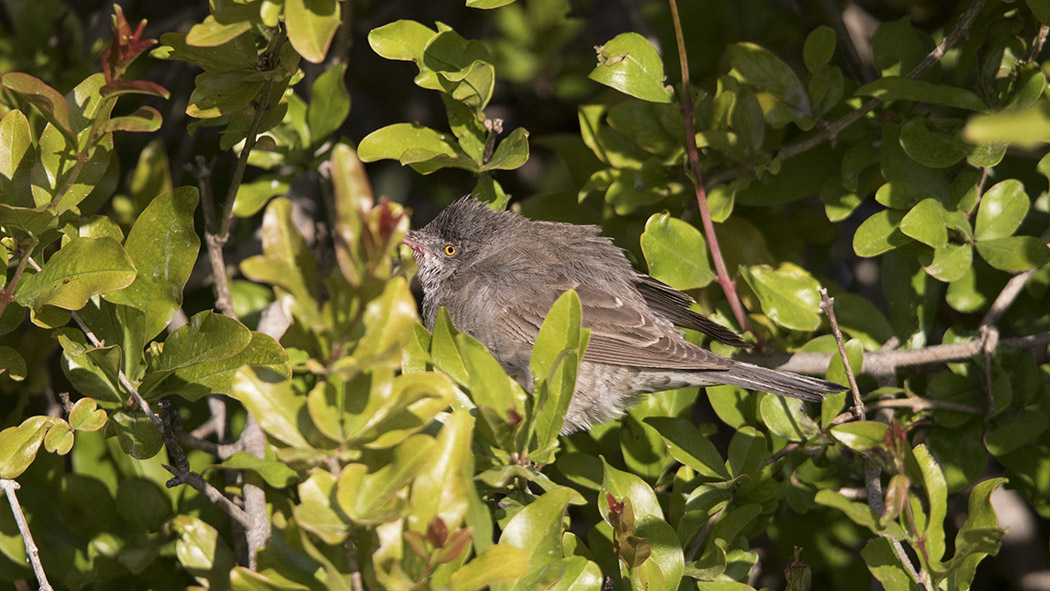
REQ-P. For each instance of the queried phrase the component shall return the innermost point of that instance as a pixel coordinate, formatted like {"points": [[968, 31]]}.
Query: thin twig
{"points": [[123, 379], [873, 487], [181, 473], [916, 404], [827, 304], [8, 294], [356, 582], [698, 541], [1037, 44], [721, 272], [9, 487], [1006, 297], [882, 362], [223, 297]]}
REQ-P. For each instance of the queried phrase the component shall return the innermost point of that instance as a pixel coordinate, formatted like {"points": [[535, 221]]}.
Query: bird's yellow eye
{"points": [[450, 250]]}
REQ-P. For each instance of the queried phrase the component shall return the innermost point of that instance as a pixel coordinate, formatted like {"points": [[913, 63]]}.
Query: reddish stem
{"points": [[728, 286]]}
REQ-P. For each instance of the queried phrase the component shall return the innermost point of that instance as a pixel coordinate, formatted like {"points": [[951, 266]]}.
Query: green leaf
{"points": [[926, 223], [490, 386], [1013, 429], [144, 120], [676, 252], [254, 195], [275, 473], [219, 93], [560, 331], [511, 153], [443, 488], [137, 434], [51, 104], [886, 566], [59, 438], [960, 453], [444, 350], [370, 496], [1003, 208], [931, 148], [18, 445], [163, 246], [471, 85], [979, 536], [16, 159], [898, 88], [688, 446], [818, 48], [538, 530], [1027, 128], [206, 337], [787, 418], [859, 513], [216, 377], [950, 262], [226, 22], [747, 449], [1014, 253], [580, 574], [82, 268], [329, 103], [762, 69], [315, 512], [1040, 10], [389, 320], [287, 263], [879, 233], [311, 26], [623, 485], [202, 552], [411, 143], [498, 563], [860, 436], [788, 294], [273, 403], [630, 64], [398, 412], [86, 416], [556, 353], [937, 496], [401, 40], [12, 364]]}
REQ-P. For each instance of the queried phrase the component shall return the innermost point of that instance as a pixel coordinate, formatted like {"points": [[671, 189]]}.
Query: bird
{"points": [[497, 273]]}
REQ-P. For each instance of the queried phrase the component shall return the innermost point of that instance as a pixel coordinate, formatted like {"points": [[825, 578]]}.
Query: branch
{"points": [[827, 304], [9, 487], [698, 185], [183, 475], [223, 297], [883, 362], [8, 294], [217, 232], [873, 487]]}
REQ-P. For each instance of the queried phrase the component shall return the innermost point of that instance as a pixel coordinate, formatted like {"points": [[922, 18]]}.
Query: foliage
{"points": [[912, 189]]}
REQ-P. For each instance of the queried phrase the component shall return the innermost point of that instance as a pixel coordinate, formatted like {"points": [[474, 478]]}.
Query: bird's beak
{"points": [[410, 240]]}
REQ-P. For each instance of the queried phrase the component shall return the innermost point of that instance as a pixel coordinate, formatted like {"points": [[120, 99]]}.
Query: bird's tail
{"points": [[792, 385]]}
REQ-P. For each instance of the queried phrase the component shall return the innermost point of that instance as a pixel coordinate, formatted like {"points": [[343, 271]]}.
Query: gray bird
{"points": [[498, 273]]}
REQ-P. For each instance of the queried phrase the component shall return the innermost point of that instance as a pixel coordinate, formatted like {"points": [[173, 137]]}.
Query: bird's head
{"points": [[465, 232]]}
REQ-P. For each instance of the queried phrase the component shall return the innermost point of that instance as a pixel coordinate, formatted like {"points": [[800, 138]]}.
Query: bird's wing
{"points": [[621, 333], [674, 306]]}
